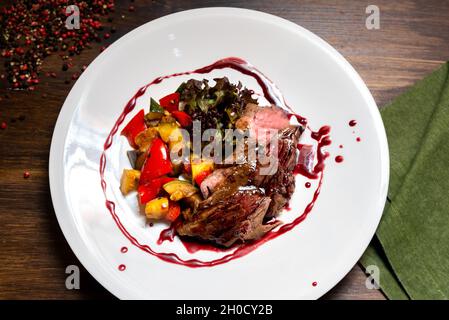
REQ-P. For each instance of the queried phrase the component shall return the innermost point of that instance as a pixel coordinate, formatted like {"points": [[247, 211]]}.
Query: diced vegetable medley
{"points": [[167, 187], [154, 176]]}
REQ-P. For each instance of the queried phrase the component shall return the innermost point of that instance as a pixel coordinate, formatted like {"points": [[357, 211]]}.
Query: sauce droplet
{"points": [[167, 234], [352, 123], [122, 267], [339, 159], [308, 184], [323, 131], [314, 283], [326, 141], [358, 139], [124, 250]]}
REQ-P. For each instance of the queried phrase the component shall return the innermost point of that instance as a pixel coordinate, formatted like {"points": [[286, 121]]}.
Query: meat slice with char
{"points": [[238, 175], [229, 216], [240, 201], [280, 185], [235, 209], [255, 118]]}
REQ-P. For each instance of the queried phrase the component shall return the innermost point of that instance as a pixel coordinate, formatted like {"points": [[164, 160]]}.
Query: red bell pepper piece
{"points": [[170, 102], [157, 163], [134, 127], [147, 192], [183, 118], [174, 210], [201, 176], [150, 190], [164, 180]]}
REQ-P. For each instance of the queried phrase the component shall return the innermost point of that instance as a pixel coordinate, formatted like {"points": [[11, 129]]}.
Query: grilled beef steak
{"points": [[241, 199], [280, 185], [233, 212]]}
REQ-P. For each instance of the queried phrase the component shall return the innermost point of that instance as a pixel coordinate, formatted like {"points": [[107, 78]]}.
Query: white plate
{"points": [[315, 80]]}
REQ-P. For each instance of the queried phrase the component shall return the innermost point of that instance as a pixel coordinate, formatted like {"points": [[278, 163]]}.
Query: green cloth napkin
{"points": [[411, 247]]}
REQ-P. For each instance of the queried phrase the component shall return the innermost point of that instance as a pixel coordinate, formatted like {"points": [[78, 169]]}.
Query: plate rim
{"points": [[60, 132]]}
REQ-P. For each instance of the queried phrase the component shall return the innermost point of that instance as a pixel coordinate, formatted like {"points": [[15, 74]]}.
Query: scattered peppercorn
{"points": [[26, 174], [4, 125], [32, 30]]}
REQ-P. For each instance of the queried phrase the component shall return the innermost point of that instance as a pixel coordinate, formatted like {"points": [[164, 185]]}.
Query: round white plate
{"points": [[316, 81]]}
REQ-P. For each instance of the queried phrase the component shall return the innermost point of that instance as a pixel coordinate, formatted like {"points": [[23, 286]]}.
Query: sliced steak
{"points": [[280, 185], [255, 117], [240, 199], [230, 215], [237, 175]]}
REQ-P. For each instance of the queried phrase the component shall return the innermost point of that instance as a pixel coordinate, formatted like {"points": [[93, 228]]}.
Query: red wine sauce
{"points": [[122, 267], [167, 234], [322, 136]]}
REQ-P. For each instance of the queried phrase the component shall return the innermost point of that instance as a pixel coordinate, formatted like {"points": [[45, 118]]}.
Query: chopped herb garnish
{"points": [[155, 107]]}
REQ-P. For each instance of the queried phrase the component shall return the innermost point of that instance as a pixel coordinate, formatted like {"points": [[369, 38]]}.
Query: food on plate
{"points": [[129, 181], [231, 200]]}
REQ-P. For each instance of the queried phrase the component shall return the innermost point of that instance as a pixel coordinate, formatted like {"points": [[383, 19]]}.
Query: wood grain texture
{"points": [[413, 40]]}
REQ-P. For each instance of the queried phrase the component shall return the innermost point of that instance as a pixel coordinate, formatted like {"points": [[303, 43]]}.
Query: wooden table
{"points": [[413, 40]]}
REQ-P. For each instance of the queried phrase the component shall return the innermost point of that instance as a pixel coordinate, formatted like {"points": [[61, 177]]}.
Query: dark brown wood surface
{"points": [[413, 40]]}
